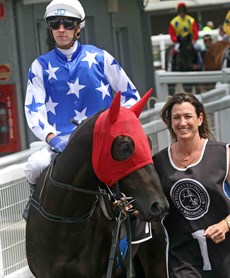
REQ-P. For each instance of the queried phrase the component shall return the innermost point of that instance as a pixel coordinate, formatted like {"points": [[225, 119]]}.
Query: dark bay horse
{"points": [[217, 56], [186, 59], [74, 207]]}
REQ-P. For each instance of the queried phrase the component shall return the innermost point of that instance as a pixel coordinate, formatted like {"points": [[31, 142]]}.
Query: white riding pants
{"points": [[38, 161]]}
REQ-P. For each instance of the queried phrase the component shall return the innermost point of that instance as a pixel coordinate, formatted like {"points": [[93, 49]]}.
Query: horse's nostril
{"points": [[156, 211]]}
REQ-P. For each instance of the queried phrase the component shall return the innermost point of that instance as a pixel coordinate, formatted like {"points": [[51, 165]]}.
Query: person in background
{"points": [[209, 26], [222, 36], [208, 41], [195, 175], [181, 26], [226, 26], [73, 81]]}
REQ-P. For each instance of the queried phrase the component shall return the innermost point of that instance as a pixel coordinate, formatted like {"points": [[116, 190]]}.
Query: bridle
{"points": [[121, 212]]}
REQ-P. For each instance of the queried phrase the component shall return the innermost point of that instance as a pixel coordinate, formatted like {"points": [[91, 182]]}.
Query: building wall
{"points": [[9, 57]]}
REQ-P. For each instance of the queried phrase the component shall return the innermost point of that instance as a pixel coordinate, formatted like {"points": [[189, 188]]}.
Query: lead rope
{"points": [[115, 237], [115, 233], [115, 247], [129, 252], [129, 268]]}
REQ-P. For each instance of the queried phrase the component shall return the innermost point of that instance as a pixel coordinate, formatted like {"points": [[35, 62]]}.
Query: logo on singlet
{"points": [[190, 198]]}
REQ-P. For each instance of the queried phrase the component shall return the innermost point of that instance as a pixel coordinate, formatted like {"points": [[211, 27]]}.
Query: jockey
{"points": [[73, 81], [181, 26]]}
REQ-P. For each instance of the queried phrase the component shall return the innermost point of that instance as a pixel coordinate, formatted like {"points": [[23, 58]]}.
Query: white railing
{"points": [[14, 191], [178, 80], [161, 42]]}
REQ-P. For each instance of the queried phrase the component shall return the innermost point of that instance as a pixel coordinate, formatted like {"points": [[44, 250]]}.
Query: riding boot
{"points": [[27, 208]]}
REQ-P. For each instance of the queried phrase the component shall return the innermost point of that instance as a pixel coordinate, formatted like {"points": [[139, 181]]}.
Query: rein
{"points": [[39, 207], [74, 188], [120, 214]]}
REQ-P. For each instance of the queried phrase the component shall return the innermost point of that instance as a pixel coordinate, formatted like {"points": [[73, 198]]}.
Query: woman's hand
{"points": [[217, 231]]}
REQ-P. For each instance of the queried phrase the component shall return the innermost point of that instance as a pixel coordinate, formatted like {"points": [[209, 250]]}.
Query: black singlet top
{"points": [[198, 197]]}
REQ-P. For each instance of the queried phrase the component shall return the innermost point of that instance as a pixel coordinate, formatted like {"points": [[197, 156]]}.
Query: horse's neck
{"points": [[73, 168], [188, 56], [74, 165]]}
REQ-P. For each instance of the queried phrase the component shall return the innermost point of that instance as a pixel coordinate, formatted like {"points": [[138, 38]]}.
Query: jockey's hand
{"points": [[57, 144]]}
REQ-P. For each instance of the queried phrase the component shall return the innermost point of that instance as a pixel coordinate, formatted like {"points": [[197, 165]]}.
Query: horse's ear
{"points": [[114, 108], [139, 106]]}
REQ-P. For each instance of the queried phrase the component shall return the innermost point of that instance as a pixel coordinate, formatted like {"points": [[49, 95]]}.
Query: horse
{"points": [[105, 173], [186, 59], [217, 56]]}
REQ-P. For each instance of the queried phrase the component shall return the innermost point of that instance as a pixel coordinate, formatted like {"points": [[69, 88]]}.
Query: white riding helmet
{"points": [[68, 8]]}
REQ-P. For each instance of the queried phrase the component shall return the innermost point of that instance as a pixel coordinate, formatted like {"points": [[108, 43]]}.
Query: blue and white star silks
{"points": [[60, 90]]}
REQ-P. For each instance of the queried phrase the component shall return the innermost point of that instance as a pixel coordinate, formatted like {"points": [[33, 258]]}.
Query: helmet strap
{"points": [[72, 42]]}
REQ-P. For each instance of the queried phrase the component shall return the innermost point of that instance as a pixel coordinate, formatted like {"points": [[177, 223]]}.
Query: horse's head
{"points": [[121, 153]]}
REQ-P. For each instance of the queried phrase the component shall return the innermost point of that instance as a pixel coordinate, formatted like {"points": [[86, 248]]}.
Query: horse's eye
{"points": [[125, 147], [122, 148]]}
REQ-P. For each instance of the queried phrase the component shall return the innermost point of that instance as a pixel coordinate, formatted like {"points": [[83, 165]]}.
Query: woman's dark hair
{"points": [[166, 113]]}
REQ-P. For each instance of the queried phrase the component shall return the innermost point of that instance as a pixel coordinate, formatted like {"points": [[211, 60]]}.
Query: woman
{"points": [[194, 171]]}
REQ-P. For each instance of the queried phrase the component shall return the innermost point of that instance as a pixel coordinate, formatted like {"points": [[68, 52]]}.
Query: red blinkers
{"points": [[116, 121]]}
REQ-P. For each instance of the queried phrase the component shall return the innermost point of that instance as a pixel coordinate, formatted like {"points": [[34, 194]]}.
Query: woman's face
{"points": [[185, 122]]}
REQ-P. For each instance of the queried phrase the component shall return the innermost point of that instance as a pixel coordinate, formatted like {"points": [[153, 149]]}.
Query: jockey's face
{"points": [[182, 12], [64, 30]]}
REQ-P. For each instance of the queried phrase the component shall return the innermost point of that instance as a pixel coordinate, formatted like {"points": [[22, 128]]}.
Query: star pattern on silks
{"points": [[80, 116], [104, 90], [90, 58], [51, 71], [74, 88], [41, 124], [51, 105], [31, 75], [126, 93], [125, 96], [115, 63], [34, 106]]}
